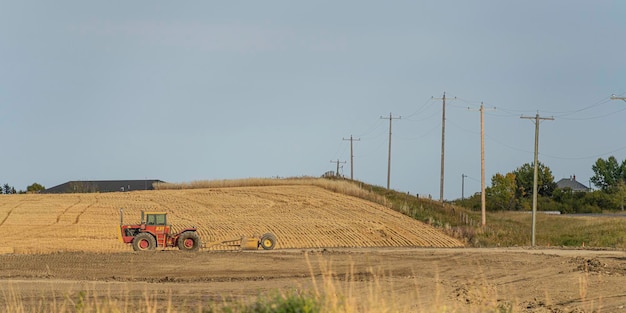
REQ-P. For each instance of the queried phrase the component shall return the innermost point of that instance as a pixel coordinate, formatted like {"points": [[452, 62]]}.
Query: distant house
{"points": [[572, 184], [85, 186]]}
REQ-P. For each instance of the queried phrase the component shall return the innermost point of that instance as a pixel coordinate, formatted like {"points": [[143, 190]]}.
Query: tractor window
{"points": [[156, 219], [160, 219]]}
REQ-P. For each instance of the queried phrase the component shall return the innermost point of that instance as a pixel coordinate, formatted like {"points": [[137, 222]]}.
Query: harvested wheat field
{"points": [[300, 217], [60, 253]]}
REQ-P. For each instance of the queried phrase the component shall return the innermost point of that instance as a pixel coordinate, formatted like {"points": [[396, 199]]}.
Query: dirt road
{"points": [[370, 279]]}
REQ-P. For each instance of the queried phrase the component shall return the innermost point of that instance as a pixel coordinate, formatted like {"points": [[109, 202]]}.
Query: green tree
{"points": [[620, 194], [7, 190], [35, 187], [568, 201], [501, 194], [599, 200], [608, 173], [524, 177]]}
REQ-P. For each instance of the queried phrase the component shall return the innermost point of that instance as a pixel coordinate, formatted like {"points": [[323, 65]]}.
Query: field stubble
{"points": [[301, 216]]}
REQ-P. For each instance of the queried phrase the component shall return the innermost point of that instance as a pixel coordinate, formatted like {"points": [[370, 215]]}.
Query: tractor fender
{"points": [[193, 229], [146, 232]]}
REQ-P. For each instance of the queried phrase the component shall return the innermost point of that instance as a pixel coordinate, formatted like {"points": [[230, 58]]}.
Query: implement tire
{"points": [[268, 241], [144, 242], [189, 241]]}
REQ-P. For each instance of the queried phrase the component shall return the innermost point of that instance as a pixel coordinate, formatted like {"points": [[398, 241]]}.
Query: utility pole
{"points": [[389, 154], [613, 97], [443, 145], [463, 186], [483, 202], [337, 172], [352, 156], [537, 119]]}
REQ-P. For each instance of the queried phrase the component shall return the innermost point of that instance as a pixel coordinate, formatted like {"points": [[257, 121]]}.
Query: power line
{"points": [[472, 178], [425, 118], [371, 130], [339, 151], [594, 117], [412, 138], [559, 114], [585, 157], [502, 143], [498, 141], [419, 110]]}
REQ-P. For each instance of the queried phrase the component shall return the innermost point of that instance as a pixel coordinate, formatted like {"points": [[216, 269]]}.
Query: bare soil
{"points": [[372, 279]]}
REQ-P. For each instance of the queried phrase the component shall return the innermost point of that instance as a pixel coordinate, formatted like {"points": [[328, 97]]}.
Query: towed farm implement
{"points": [[153, 232]]}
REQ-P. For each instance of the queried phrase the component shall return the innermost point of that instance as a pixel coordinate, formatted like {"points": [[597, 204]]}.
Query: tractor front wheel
{"points": [[189, 241], [268, 241], [144, 242]]}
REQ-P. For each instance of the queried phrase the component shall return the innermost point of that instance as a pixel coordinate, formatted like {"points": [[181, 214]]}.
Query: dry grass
{"points": [[331, 291], [514, 228], [340, 186]]}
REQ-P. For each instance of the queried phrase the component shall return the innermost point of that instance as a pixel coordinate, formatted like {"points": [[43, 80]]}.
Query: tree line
{"points": [[9, 190], [513, 191]]}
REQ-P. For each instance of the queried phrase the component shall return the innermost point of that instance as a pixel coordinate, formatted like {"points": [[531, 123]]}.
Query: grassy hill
{"points": [[509, 228], [502, 229]]}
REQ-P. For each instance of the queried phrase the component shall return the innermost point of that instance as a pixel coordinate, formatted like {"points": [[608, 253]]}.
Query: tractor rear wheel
{"points": [[189, 241], [144, 242], [268, 241]]}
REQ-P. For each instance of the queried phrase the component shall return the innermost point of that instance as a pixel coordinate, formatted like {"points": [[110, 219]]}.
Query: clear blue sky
{"points": [[203, 90]]}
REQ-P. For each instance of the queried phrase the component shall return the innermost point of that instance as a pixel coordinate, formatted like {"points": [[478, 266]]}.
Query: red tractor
{"points": [[154, 232]]}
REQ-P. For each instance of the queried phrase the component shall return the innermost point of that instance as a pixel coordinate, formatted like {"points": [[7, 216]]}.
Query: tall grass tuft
{"points": [[291, 301]]}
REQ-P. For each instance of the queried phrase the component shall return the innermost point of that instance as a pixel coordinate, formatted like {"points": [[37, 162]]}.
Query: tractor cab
{"points": [[154, 218], [155, 222]]}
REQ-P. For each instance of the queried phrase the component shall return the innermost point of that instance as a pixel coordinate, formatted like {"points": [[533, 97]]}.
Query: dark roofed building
{"points": [[572, 184], [84, 186]]}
